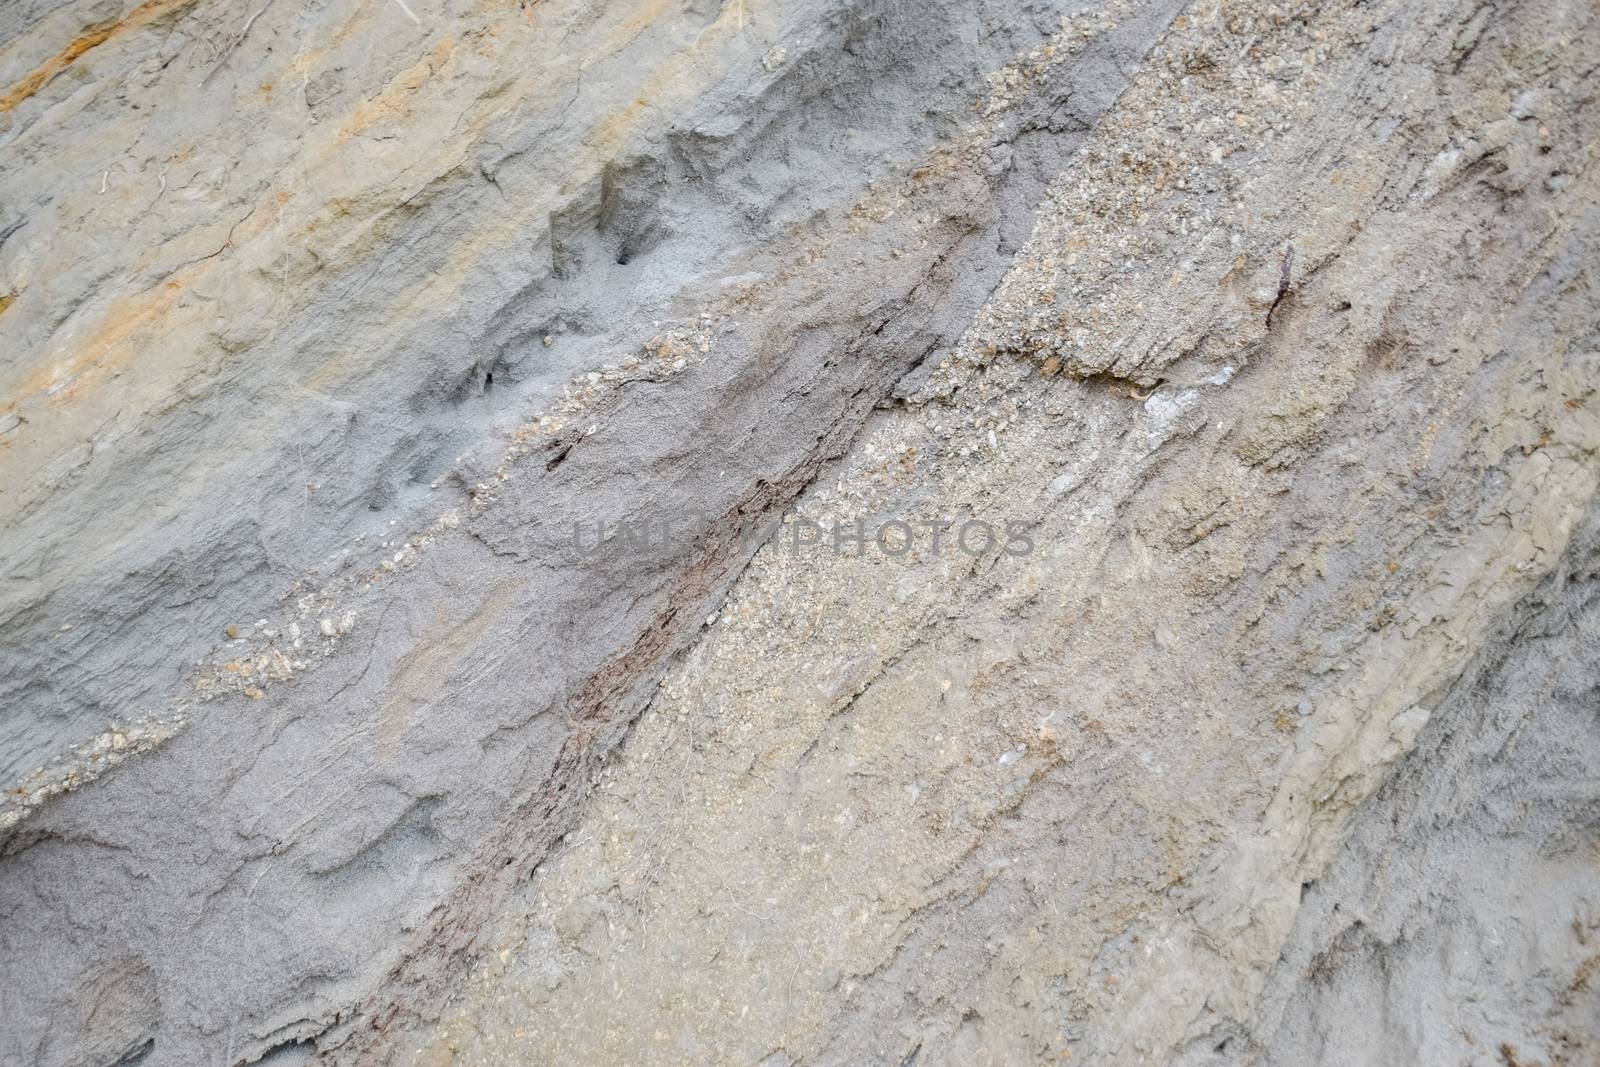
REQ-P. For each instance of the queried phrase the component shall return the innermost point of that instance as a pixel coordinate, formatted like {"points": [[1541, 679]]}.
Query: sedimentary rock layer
{"points": [[494, 510]]}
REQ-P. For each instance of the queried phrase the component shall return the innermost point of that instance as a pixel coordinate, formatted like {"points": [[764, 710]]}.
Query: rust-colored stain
{"points": [[6, 300], [391, 101], [610, 131], [116, 336], [124, 317], [91, 38], [666, 81], [307, 62], [634, 24]]}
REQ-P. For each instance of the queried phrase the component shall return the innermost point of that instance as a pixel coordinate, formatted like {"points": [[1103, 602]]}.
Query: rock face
{"points": [[852, 531]]}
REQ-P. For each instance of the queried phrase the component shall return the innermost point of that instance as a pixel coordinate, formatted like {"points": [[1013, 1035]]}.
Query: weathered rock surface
{"points": [[405, 655]]}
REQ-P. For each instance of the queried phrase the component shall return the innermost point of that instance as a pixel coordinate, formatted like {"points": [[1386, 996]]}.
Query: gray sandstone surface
{"points": [[432, 438]]}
